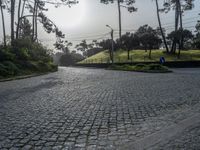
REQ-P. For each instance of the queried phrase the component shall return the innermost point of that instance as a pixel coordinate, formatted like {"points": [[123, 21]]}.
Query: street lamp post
{"points": [[112, 42]]}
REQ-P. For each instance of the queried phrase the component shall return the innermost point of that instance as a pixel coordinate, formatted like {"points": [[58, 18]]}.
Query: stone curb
{"points": [[23, 77]]}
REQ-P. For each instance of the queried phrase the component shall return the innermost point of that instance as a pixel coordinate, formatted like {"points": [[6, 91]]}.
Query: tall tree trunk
{"points": [[160, 26], [173, 49], [23, 7], [18, 22], [36, 25], [120, 21], [181, 26], [22, 14], [150, 54], [179, 50], [12, 21], [128, 54], [33, 20], [3, 24]]}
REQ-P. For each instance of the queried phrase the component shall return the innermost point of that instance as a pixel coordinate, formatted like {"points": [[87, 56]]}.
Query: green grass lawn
{"points": [[142, 56]]}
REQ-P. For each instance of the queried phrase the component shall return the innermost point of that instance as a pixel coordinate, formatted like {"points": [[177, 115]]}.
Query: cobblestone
{"points": [[188, 140], [91, 109]]}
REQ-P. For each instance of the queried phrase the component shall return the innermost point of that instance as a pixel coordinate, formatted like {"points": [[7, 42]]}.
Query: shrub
{"points": [[29, 65], [43, 67], [127, 67], [139, 66], [155, 67], [22, 53], [68, 59], [5, 54], [115, 67], [3, 71], [39, 52], [53, 67], [25, 49], [121, 67], [11, 68], [25, 57], [23, 43]]}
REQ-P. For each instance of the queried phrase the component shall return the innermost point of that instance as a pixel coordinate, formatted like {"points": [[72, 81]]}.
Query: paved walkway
{"points": [[78, 108]]}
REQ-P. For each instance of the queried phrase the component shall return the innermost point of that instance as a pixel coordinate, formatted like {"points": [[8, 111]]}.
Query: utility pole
{"points": [[112, 43]]}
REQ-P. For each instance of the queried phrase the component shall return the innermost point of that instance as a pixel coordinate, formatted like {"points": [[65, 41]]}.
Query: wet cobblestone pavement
{"points": [[188, 140], [78, 108]]}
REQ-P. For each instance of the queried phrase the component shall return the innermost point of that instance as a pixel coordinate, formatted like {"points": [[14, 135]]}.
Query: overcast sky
{"points": [[87, 19]]}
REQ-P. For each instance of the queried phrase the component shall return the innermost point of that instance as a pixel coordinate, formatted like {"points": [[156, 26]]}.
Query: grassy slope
{"points": [[141, 56]]}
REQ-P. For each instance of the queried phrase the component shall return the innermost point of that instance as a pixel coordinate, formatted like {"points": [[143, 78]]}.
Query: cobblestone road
{"points": [[78, 108], [188, 140]]}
